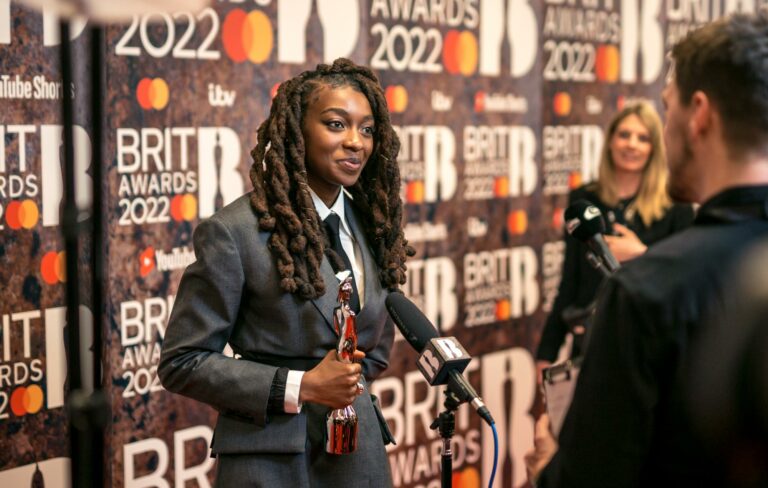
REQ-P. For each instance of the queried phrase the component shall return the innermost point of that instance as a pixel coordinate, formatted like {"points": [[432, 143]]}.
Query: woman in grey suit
{"points": [[326, 198]]}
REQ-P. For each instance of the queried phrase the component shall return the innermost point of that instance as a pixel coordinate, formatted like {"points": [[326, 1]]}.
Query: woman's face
{"points": [[338, 132], [631, 145]]}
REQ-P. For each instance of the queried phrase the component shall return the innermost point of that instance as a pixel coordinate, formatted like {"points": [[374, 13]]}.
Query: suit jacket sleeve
{"points": [[204, 313], [377, 359], [607, 432]]}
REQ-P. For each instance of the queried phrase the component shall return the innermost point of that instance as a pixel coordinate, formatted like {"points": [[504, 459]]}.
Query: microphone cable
{"points": [[495, 454]]}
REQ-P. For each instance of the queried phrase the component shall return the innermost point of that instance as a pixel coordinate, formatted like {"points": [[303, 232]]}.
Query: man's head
{"points": [[721, 69]]}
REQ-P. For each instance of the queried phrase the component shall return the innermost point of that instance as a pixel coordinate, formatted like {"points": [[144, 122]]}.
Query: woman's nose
{"points": [[353, 140]]}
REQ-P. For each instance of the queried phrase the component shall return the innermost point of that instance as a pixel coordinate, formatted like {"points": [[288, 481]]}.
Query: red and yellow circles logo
{"points": [[247, 36], [53, 267], [562, 104], [414, 192], [184, 207], [460, 52], [517, 222], [22, 214], [397, 98], [558, 218], [273, 90], [480, 101], [607, 63], [501, 187], [503, 309], [467, 478], [620, 102], [574, 180], [26, 399], [152, 93]]}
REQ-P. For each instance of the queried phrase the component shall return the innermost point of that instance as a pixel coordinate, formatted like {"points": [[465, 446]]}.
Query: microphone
{"points": [[585, 222], [442, 359]]}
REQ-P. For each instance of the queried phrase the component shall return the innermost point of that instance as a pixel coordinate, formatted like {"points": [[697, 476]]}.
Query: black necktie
{"points": [[332, 228]]}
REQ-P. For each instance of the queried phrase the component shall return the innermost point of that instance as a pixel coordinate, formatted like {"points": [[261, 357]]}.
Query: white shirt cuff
{"points": [[292, 386]]}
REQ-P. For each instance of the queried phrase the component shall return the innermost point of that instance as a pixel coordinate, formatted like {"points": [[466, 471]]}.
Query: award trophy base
{"points": [[341, 431]]}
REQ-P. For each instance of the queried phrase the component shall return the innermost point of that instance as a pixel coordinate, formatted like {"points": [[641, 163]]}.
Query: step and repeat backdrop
{"points": [[500, 107]]}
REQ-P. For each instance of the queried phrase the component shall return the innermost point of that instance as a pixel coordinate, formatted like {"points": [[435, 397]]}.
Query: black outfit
{"points": [[627, 425], [580, 281]]}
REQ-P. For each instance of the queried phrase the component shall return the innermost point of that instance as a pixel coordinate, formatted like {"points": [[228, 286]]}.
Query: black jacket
{"points": [[628, 422], [580, 281]]}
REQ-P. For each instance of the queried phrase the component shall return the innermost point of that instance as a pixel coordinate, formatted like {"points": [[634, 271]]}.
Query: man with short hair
{"points": [[628, 424]]}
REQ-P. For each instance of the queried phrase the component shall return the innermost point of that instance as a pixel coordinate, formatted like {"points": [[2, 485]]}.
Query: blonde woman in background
{"points": [[631, 193]]}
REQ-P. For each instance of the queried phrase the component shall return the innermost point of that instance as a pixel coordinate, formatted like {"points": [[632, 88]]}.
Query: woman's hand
{"points": [[625, 246], [332, 383]]}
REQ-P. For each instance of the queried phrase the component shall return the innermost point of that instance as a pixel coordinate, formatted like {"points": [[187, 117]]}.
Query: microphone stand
{"points": [[88, 412], [445, 424]]}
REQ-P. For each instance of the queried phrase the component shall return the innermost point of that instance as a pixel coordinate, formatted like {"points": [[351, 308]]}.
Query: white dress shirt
{"points": [[351, 247]]}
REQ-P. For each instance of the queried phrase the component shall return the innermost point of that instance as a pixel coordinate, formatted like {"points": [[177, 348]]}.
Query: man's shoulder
{"points": [[688, 260]]}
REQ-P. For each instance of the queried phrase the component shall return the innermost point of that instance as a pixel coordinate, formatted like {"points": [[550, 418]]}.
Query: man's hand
{"points": [[544, 447], [332, 383], [625, 246]]}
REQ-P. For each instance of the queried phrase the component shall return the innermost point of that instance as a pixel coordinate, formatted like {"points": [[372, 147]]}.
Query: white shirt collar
{"points": [[338, 208]]}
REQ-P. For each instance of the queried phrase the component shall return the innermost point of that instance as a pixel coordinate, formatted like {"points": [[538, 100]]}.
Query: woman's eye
{"points": [[623, 134], [368, 131], [335, 124], [644, 139]]}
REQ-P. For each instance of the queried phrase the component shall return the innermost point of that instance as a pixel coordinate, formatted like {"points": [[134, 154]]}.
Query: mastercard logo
{"points": [[574, 180], [517, 222], [22, 214], [26, 399], [273, 90], [480, 101], [607, 63], [468, 478], [562, 104], [247, 36], [503, 312], [460, 52], [152, 93], [146, 261], [53, 267], [501, 186], [397, 98], [414, 192], [557, 218], [183, 208]]}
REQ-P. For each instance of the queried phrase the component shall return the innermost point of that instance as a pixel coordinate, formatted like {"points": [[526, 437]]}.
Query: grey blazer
{"points": [[232, 294]]}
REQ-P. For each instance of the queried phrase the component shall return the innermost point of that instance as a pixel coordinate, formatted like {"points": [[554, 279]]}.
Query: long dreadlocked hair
{"points": [[281, 196]]}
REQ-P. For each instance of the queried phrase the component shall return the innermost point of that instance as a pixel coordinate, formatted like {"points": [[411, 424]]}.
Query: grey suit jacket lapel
{"points": [[370, 269], [326, 303]]}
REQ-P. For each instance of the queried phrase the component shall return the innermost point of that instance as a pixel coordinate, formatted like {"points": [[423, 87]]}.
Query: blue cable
{"points": [[495, 454]]}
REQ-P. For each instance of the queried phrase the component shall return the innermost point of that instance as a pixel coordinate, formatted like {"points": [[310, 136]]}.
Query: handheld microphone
{"points": [[442, 359], [585, 222]]}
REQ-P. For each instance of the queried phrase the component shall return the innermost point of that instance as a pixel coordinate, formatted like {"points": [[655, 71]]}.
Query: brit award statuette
{"points": [[341, 424]]}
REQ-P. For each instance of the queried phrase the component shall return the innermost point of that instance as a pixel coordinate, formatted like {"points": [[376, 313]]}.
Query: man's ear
{"points": [[700, 122]]}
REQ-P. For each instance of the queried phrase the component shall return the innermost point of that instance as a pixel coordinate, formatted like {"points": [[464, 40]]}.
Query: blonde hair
{"points": [[652, 198]]}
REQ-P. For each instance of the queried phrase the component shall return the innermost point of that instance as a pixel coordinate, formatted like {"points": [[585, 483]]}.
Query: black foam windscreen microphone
{"points": [[442, 359], [419, 329], [584, 221]]}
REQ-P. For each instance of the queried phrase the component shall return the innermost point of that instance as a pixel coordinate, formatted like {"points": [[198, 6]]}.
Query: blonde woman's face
{"points": [[631, 145]]}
